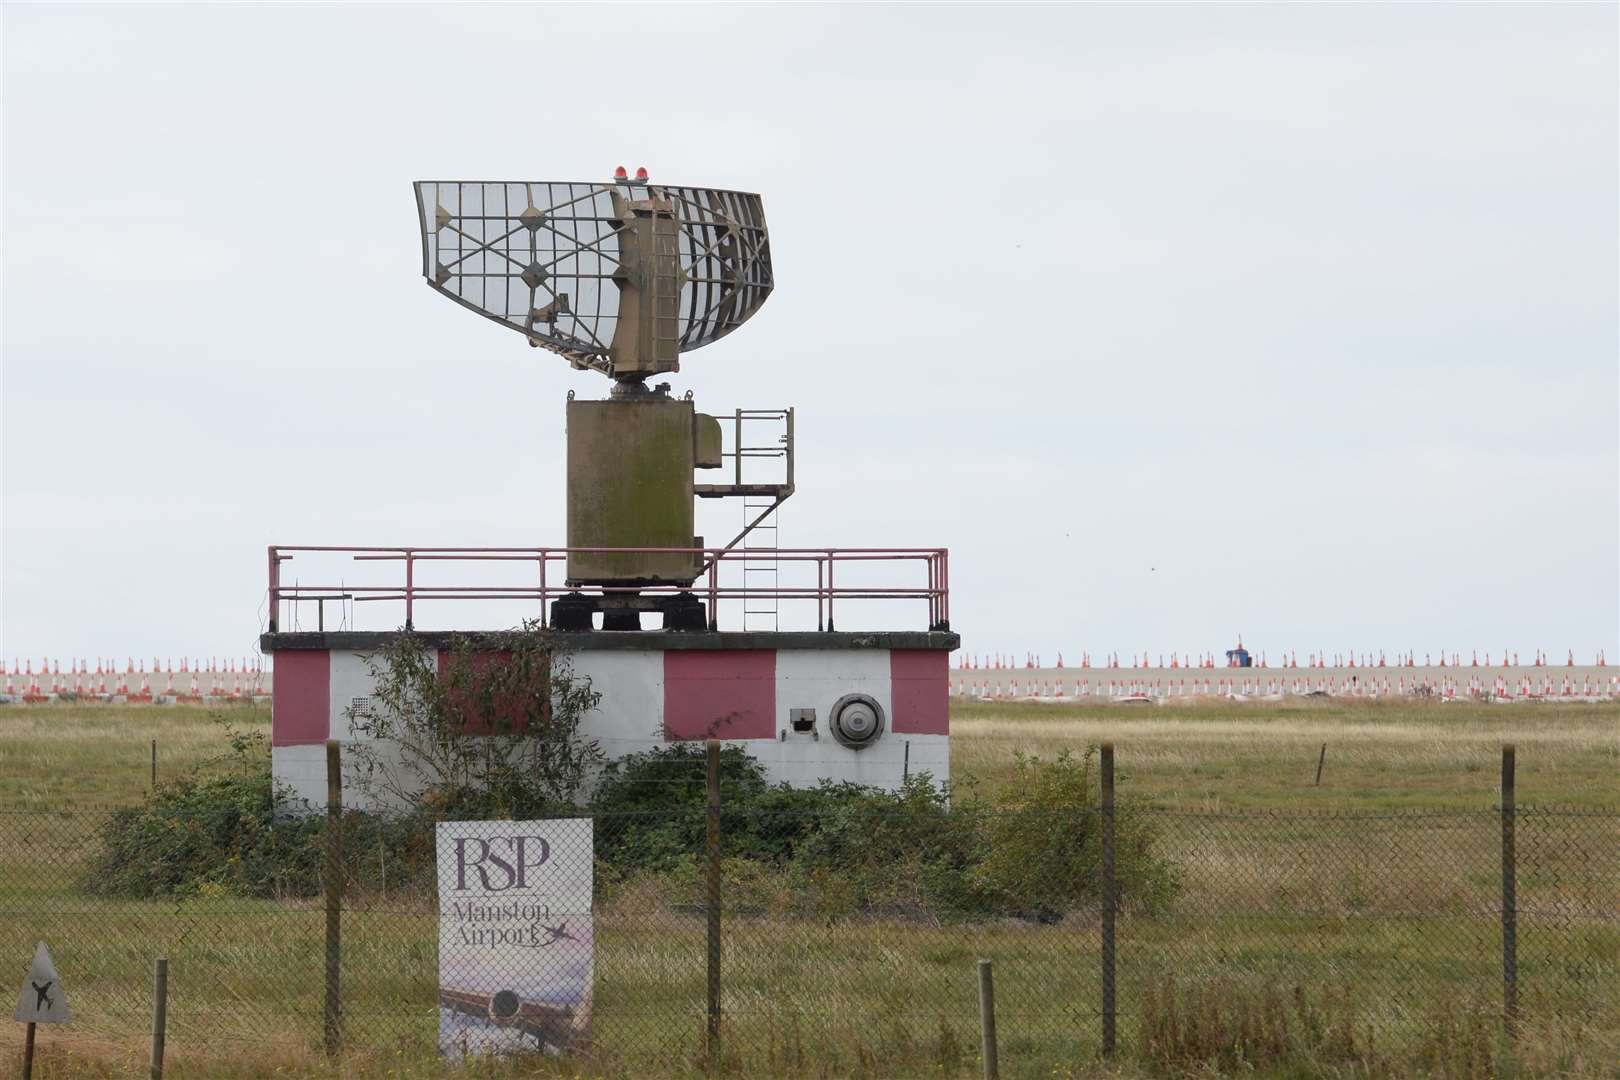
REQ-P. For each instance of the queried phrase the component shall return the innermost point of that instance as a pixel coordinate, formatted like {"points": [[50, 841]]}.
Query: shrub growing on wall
{"points": [[489, 728]]}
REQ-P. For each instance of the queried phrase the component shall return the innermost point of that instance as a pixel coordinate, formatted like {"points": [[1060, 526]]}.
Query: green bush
{"points": [[905, 850], [211, 835], [841, 848], [1042, 848], [836, 849]]}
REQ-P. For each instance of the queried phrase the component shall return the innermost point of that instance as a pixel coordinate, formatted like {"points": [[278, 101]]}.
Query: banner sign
{"points": [[515, 943]]}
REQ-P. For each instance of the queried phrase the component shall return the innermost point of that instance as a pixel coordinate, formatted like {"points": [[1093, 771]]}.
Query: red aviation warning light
{"points": [[620, 173]]}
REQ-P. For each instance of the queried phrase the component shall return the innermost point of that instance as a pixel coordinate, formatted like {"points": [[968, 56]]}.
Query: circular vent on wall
{"points": [[856, 720]]}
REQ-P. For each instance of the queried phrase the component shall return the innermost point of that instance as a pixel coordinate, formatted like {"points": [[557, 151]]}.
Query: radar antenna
{"points": [[619, 277]]}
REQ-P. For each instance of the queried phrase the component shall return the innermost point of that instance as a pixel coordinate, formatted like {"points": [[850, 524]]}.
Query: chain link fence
{"points": [[1234, 936]]}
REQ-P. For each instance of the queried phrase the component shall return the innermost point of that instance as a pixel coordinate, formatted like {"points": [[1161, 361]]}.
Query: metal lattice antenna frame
{"points": [[540, 258]]}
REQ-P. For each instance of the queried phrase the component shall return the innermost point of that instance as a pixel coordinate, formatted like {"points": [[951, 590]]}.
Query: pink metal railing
{"points": [[544, 587]]}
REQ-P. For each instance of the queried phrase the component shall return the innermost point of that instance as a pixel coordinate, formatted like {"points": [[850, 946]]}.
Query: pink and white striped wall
{"points": [[652, 697]]}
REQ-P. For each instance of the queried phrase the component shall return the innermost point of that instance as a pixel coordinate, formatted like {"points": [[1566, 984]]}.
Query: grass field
{"points": [[1381, 754], [1373, 893], [1212, 755]]}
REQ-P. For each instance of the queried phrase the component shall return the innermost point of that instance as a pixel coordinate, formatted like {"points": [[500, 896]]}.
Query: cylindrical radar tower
{"points": [[621, 278]]}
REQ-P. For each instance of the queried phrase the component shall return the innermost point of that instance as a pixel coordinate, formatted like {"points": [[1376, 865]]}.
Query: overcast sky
{"points": [[1170, 322]]}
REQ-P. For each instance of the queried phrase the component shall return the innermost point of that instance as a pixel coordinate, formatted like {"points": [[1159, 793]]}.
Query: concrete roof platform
{"points": [[628, 640]]}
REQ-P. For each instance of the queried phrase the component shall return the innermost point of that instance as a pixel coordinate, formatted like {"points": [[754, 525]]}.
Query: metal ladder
{"points": [[761, 570], [761, 566]]}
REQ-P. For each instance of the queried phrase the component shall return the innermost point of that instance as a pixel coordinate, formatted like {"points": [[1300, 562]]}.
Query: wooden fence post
{"points": [[712, 849], [1510, 913], [334, 895], [1108, 954], [987, 1020], [1320, 758], [160, 1013]]}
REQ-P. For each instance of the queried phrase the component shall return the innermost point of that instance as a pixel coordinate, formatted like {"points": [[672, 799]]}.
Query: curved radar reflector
{"points": [[564, 263]]}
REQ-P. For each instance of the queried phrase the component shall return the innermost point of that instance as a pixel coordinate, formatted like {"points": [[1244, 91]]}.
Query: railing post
{"points": [[1510, 913], [820, 616], [829, 591], [409, 585], [714, 593], [938, 564], [542, 589], [939, 584], [790, 448], [933, 593], [1108, 953], [333, 887], [712, 849], [275, 589]]}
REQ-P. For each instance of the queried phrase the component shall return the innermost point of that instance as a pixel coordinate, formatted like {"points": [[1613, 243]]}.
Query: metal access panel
{"points": [[630, 467]]}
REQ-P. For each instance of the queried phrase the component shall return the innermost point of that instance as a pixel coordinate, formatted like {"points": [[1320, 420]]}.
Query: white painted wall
{"points": [[816, 679], [303, 770], [630, 717]]}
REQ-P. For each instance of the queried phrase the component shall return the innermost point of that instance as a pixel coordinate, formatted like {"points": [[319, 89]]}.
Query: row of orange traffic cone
{"points": [[1354, 686], [241, 687], [216, 666]]}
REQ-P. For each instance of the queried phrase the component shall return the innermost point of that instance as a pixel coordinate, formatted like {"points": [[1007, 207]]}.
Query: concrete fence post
{"points": [[712, 851], [160, 1013], [1108, 898], [333, 887], [987, 1020], [1510, 912]]}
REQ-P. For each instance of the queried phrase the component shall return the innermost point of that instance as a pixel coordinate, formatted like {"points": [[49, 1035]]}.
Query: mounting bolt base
{"points": [[621, 619], [572, 612], [685, 613]]}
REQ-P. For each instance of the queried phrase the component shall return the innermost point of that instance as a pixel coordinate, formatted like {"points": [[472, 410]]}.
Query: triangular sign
{"points": [[42, 1000]]}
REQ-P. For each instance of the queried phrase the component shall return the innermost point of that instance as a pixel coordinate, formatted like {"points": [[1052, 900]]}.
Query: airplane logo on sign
{"points": [[42, 1000]]}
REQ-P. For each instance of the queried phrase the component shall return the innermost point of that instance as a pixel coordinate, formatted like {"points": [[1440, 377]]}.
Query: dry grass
{"points": [[1271, 900], [1381, 755], [98, 755]]}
